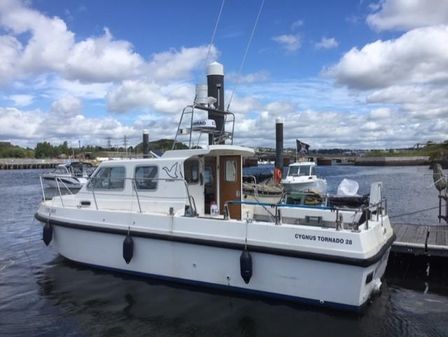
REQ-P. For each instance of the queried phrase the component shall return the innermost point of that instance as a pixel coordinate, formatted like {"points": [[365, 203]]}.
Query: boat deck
{"points": [[421, 239]]}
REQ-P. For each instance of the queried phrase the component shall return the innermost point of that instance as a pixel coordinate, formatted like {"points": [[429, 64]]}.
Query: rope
{"points": [[246, 52], [414, 212], [212, 41]]}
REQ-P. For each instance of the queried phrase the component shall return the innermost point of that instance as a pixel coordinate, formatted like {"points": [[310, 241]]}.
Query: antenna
{"points": [[214, 33], [245, 53]]}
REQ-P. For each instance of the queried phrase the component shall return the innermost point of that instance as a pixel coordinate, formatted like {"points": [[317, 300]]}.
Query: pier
{"points": [[25, 164], [418, 240]]}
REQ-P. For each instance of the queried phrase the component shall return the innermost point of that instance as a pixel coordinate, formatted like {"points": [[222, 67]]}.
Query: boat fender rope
{"points": [[246, 266], [128, 247]]}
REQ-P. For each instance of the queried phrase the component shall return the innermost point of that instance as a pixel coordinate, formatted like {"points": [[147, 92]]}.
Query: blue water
{"points": [[41, 294]]}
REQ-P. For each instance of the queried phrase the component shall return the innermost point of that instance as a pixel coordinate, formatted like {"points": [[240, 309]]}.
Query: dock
{"points": [[418, 240], [23, 164]]}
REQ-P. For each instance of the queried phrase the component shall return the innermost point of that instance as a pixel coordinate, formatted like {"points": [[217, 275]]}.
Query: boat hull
{"points": [[286, 277]]}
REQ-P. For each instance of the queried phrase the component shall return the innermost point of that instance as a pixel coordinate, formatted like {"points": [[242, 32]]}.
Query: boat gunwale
{"points": [[353, 261]]}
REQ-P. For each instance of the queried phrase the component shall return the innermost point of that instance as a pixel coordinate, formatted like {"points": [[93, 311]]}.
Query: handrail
{"points": [[58, 181], [42, 188], [91, 187], [251, 176], [134, 186], [339, 225]]}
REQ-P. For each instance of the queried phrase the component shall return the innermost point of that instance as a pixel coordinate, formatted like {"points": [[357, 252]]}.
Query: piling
{"points": [[278, 149], [145, 144]]}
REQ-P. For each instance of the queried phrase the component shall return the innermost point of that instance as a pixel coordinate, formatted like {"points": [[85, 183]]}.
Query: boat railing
{"points": [[185, 126], [368, 213], [59, 183], [191, 202], [61, 186]]}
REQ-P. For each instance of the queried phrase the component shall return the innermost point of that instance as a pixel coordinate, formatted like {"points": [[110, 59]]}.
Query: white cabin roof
{"points": [[182, 155], [210, 150], [303, 163]]}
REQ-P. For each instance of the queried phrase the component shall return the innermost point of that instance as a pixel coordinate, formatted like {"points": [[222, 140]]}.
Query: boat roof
{"points": [[182, 155], [302, 163], [210, 150]]}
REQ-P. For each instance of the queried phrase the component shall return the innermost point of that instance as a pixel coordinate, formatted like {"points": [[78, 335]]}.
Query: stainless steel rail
{"points": [[91, 187]]}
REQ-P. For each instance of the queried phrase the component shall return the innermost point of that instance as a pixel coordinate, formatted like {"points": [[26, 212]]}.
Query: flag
{"points": [[302, 148]]}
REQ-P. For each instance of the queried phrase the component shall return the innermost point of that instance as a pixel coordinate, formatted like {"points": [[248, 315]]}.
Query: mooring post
{"points": [[145, 144], [278, 173]]}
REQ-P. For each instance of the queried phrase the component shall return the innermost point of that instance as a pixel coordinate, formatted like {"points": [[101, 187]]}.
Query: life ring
{"points": [[277, 175]]}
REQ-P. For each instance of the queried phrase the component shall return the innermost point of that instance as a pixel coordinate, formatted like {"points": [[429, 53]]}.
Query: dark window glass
{"points": [[145, 177], [191, 171], [108, 178]]}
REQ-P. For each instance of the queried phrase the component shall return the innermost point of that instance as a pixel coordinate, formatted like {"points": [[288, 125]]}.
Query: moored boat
{"points": [[182, 217], [72, 174], [301, 177]]}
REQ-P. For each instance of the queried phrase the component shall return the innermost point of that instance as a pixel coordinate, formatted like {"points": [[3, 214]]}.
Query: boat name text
{"points": [[323, 239]]}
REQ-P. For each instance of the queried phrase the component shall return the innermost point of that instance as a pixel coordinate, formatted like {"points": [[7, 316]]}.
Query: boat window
{"points": [[313, 170], [230, 170], [108, 178], [191, 171], [293, 171], [60, 170], [144, 176], [304, 170], [77, 170]]}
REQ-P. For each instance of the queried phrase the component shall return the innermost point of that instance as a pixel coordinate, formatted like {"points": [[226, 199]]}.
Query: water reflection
{"points": [[105, 303]]}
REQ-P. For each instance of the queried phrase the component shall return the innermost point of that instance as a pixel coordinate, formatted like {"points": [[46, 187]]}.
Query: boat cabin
{"points": [[302, 169], [194, 182]]}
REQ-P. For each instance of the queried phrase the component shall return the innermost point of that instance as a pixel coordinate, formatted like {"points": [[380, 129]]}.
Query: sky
{"points": [[353, 74]]}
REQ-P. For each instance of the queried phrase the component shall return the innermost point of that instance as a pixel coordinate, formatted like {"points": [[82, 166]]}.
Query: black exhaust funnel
{"points": [[215, 83]]}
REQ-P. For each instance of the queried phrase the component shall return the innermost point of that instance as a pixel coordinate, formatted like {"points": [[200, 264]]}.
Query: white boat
{"points": [[181, 217], [301, 177], [72, 174]]}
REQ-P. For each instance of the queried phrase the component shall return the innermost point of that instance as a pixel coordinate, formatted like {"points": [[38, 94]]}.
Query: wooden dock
{"points": [[421, 239]]}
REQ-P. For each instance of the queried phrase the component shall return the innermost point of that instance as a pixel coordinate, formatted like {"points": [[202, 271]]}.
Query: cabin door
{"points": [[230, 184]]}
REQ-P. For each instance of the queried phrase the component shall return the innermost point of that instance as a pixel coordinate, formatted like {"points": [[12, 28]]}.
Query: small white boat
{"points": [[182, 217], [72, 175], [301, 177]]}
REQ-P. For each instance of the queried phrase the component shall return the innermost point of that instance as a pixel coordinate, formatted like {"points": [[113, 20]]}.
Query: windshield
{"points": [[303, 170]]}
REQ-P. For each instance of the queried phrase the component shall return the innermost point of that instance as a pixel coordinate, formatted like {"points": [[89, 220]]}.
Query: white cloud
{"points": [[418, 56], [21, 100], [178, 64], [289, 42], [49, 43], [17, 124], [59, 87], [408, 14], [103, 59], [296, 25], [132, 94], [327, 43], [27, 127], [67, 106], [380, 113], [10, 49], [49, 46]]}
